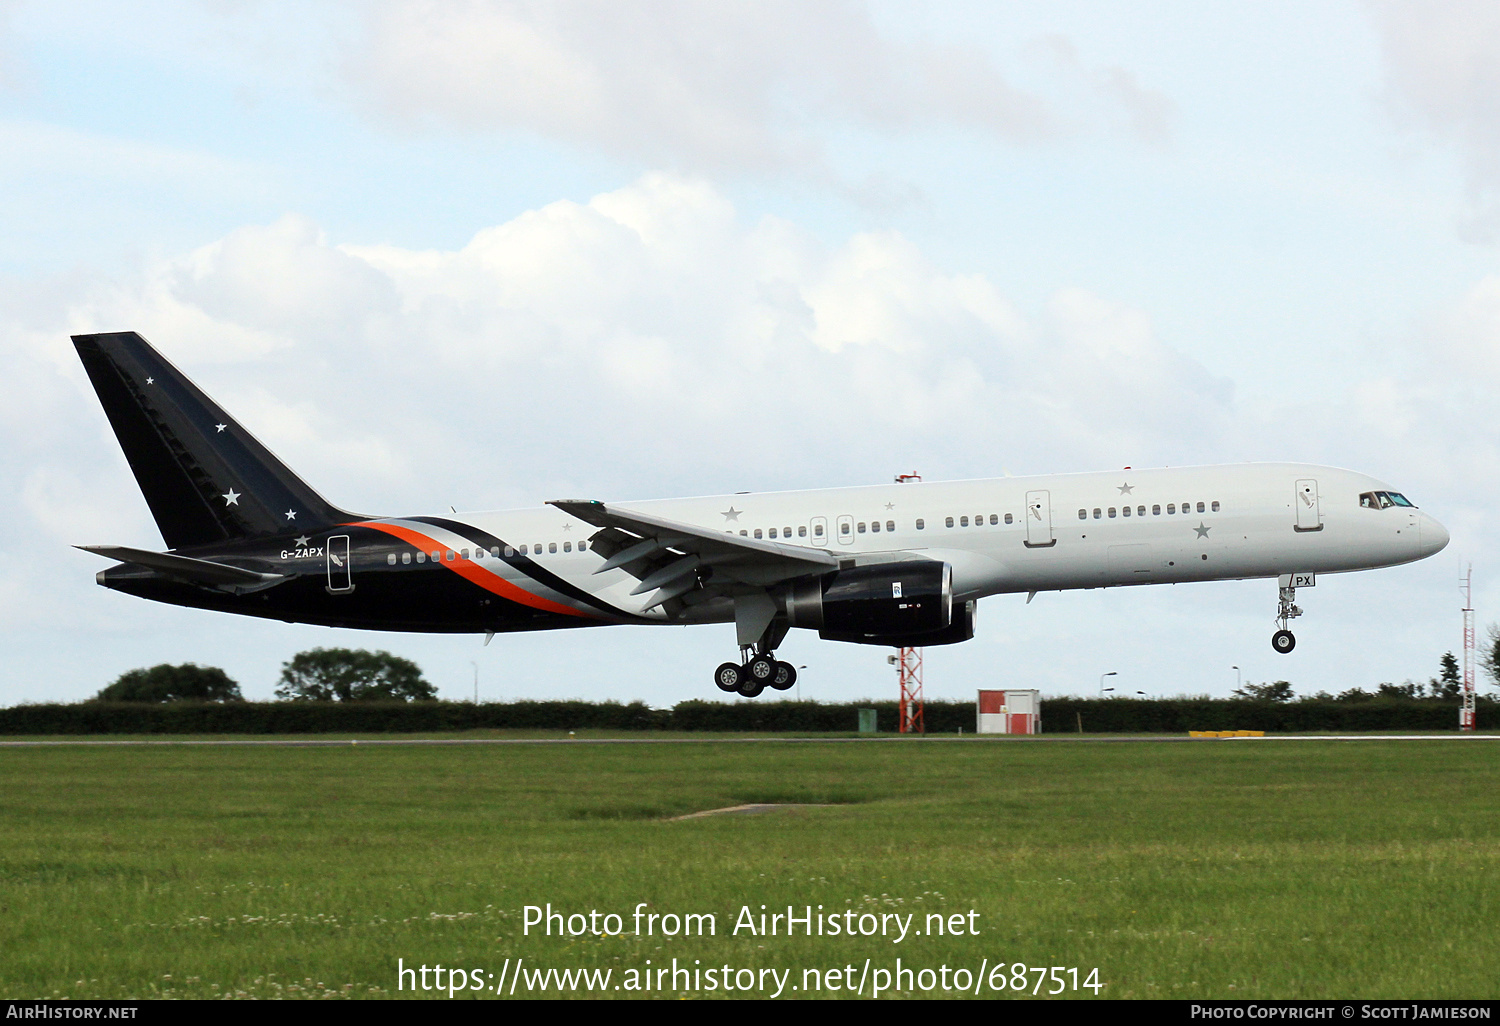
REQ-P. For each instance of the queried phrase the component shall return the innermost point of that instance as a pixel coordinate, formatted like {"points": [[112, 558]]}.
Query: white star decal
{"points": [[890, 505], [150, 381], [220, 427], [1126, 489], [291, 514], [1202, 531], [731, 513], [231, 498], [301, 542]]}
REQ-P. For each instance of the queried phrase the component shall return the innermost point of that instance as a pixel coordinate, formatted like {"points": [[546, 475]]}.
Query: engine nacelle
{"points": [[873, 604]]}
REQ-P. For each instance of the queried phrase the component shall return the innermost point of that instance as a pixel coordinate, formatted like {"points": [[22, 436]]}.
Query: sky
{"points": [[489, 254]]}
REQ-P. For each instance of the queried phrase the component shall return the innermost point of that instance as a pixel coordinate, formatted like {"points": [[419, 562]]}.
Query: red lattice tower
{"points": [[909, 662], [1466, 711]]}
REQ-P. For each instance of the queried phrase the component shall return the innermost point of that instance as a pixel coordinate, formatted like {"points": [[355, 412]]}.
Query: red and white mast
{"points": [[1466, 711]]}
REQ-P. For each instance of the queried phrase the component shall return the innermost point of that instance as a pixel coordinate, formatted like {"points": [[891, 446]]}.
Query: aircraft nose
{"points": [[1433, 534]]}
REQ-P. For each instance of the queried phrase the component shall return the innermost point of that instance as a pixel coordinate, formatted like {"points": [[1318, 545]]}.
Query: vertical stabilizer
{"points": [[204, 476]]}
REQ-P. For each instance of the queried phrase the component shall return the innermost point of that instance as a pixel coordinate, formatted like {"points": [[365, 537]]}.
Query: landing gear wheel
{"points": [[750, 688], [786, 676], [1283, 641], [729, 677], [761, 670]]}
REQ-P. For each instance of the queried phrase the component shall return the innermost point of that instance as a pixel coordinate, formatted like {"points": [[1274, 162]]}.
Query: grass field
{"points": [[1210, 869]]}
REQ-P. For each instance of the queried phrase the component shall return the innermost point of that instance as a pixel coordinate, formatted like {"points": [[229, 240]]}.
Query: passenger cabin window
{"points": [[1125, 511], [1171, 508], [552, 546], [948, 522], [921, 524], [406, 557], [1083, 514], [963, 521], [421, 557], [1098, 513], [1156, 511], [390, 559], [509, 551], [875, 527], [817, 530], [1010, 519], [464, 552], [1214, 506], [1111, 512], [773, 532], [567, 546], [890, 525], [525, 549], [757, 532], [861, 527], [1200, 507], [1140, 511], [802, 531]]}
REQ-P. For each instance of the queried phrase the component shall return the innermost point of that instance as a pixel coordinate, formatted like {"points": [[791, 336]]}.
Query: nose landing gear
{"points": [[1284, 640]]}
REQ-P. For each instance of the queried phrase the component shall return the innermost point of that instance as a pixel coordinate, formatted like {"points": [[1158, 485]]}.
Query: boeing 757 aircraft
{"points": [[891, 565]]}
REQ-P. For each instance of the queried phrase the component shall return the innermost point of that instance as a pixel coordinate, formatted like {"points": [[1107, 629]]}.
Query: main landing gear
{"points": [[760, 670], [1284, 640]]}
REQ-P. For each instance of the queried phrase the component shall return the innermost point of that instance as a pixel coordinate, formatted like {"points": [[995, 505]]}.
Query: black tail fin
{"points": [[205, 477]]}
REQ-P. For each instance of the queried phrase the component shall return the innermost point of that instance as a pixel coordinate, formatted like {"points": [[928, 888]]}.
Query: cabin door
{"points": [[1039, 520], [339, 579], [1309, 515]]}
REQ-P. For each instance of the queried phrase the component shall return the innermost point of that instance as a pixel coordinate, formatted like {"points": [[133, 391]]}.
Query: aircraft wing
{"points": [[196, 571], [670, 557]]}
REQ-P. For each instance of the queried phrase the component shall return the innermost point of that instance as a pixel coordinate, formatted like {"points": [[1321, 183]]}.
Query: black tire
{"points": [[750, 688], [761, 669], [729, 677], [1283, 641], [786, 676]]}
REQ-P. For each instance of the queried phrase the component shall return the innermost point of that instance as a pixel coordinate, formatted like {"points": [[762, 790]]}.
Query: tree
{"points": [[1489, 657], [164, 683], [1449, 683], [1279, 691], [352, 675]]}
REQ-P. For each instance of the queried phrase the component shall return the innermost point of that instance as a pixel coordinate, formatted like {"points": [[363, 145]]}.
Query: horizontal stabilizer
{"points": [[198, 571]]}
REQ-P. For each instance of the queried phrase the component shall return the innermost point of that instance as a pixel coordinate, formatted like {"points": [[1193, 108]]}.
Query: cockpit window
{"points": [[1385, 500]]}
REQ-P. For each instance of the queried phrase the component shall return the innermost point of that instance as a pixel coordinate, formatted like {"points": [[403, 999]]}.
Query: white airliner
{"points": [[891, 565]]}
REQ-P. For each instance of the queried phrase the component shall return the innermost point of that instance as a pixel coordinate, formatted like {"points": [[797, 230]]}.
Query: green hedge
{"points": [[1061, 715]]}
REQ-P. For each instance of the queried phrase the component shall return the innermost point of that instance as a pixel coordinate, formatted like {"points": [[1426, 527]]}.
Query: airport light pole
{"points": [[1236, 670], [1111, 673], [476, 680]]}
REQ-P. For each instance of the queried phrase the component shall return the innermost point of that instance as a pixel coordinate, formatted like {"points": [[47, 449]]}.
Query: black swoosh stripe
{"points": [[527, 566]]}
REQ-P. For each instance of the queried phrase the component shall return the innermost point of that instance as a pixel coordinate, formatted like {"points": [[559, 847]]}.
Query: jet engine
{"points": [[888, 604]]}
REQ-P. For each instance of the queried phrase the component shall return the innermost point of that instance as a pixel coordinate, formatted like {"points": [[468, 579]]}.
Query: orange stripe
{"points": [[466, 568]]}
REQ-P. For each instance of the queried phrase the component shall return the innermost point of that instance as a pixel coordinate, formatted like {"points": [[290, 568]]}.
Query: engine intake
{"points": [[872, 604]]}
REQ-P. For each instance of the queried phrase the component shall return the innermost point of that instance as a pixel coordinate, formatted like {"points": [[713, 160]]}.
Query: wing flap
{"points": [[653, 548]]}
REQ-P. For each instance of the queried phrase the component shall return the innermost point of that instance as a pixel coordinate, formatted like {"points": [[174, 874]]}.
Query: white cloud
{"points": [[1442, 60], [732, 85]]}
